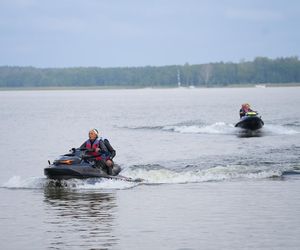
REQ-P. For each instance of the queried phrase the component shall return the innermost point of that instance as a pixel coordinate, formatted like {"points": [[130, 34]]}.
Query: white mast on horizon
{"points": [[178, 78]]}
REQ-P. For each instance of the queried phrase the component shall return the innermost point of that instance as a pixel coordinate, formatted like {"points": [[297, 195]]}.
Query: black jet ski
{"points": [[77, 164], [251, 121]]}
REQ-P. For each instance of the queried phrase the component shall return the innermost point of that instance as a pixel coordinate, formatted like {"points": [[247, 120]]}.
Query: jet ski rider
{"points": [[101, 149], [245, 109]]}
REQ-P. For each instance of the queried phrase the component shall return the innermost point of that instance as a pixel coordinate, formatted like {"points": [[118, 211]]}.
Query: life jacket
{"points": [[95, 145]]}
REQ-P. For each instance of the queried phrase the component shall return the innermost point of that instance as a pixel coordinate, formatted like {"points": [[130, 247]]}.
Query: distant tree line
{"points": [[260, 71]]}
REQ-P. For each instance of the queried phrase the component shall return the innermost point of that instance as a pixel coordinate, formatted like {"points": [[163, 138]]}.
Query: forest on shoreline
{"points": [[261, 70]]}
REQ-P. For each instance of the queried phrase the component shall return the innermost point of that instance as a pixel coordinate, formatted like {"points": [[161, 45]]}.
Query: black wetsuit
{"points": [[107, 149], [107, 153]]}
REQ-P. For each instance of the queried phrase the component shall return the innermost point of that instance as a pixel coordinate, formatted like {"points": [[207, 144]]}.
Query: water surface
{"points": [[208, 184]]}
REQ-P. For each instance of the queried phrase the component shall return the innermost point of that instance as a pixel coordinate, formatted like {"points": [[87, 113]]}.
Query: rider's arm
{"points": [[111, 150], [242, 113]]}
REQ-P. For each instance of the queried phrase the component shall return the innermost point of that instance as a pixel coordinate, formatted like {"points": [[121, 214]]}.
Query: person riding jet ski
{"points": [[249, 119], [245, 109], [101, 150]]}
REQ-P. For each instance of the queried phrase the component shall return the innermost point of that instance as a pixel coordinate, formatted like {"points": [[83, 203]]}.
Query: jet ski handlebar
{"points": [[81, 149]]}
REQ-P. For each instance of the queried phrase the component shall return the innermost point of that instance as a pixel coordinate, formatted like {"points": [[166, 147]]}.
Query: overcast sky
{"points": [[112, 33]]}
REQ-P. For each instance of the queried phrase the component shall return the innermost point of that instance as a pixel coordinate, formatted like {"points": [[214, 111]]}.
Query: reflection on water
{"points": [[80, 219], [244, 133]]}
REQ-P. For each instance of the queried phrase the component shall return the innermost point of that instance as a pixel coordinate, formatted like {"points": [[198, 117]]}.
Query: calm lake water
{"points": [[208, 185]]}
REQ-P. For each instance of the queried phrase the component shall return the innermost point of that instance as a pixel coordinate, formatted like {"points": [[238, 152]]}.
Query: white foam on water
{"points": [[153, 176], [279, 130], [41, 182], [216, 128], [225, 128], [221, 128], [106, 184], [219, 173]]}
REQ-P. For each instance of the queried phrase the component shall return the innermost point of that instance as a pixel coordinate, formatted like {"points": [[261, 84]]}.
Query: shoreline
{"points": [[54, 88]]}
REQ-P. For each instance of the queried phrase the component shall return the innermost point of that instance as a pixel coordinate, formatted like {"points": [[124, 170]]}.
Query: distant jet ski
{"points": [[251, 121], [81, 166]]}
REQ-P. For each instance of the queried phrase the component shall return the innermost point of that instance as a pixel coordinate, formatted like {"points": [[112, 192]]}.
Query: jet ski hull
{"points": [[80, 171], [79, 166], [250, 123]]}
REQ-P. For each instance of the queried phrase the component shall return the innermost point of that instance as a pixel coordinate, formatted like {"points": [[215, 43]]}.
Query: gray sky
{"points": [[112, 33]]}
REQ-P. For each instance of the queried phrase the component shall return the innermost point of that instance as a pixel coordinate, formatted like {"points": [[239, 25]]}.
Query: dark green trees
{"points": [[261, 70]]}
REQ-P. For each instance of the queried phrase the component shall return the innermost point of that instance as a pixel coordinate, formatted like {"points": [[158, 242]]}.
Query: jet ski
{"points": [[251, 121], [78, 164]]}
